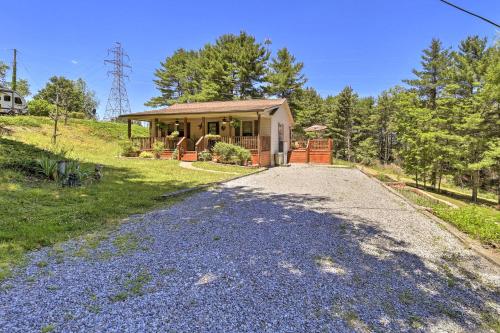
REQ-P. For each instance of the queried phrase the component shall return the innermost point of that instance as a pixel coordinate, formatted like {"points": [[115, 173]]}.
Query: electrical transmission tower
{"points": [[118, 103]]}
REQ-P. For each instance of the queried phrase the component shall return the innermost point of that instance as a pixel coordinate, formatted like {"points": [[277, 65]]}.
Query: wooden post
{"points": [[155, 127], [129, 128], [185, 127], [203, 126], [259, 146]]}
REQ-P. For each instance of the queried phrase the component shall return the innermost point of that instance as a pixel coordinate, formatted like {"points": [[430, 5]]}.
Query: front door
{"points": [[213, 127], [184, 132]]}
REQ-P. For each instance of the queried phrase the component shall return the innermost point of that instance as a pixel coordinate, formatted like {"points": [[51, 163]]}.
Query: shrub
{"points": [[212, 136], [129, 148], [174, 134], [146, 154], [205, 156], [158, 148], [77, 115], [40, 107], [228, 153], [47, 167]]}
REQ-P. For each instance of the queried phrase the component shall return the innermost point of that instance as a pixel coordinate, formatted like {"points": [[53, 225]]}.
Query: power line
{"points": [[470, 13], [118, 102]]}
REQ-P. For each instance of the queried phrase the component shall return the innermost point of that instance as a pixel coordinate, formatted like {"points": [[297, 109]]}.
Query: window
{"points": [[6, 98], [246, 127], [213, 127], [17, 100]]}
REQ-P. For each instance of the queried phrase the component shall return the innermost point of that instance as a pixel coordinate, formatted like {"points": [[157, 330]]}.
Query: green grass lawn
{"points": [[36, 212], [480, 222], [236, 169]]}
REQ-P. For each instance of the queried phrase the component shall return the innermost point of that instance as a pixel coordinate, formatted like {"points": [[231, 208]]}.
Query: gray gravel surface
{"points": [[299, 249]]}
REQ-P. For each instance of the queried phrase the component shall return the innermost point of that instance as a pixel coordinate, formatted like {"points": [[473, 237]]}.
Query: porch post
{"points": [[203, 126], [150, 129], [230, 127], [155, 127], [129, 128], [259, 147], [185, 126]]}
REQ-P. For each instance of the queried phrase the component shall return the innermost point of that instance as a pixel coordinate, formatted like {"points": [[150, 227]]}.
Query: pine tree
{"points": [[341, 123], [471, 64], [432, 78], [308, 108], [285, 75], [178, 79], [383, 121], [233, 68]]}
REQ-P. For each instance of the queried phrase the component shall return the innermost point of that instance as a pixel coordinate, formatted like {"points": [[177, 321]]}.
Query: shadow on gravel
{"points": [[238, 259], [350, 272]]}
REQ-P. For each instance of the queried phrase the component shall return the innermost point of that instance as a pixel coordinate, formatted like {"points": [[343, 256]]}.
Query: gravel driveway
{"points": [[299, 249]]}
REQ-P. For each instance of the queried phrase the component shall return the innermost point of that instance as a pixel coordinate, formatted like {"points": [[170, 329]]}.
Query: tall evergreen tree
{"points": [[308, 108], [471, 64], [178, 79], [285, 75], [430, 84], [433, 76], [233, 68], [384, 123], [341, 123]]}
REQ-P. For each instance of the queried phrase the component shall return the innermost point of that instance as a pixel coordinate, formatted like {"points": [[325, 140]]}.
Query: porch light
{"points": [[224, 121], [176, 122]]}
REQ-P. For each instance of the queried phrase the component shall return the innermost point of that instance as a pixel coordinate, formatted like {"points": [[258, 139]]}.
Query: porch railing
{"points": [[320, 144], [247, 142]]}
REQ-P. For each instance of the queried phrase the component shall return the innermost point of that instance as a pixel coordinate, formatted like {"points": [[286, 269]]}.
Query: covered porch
{"points": [[198, 133]]}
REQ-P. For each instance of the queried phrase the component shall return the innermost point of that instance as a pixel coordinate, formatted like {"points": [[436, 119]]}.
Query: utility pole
{"points": [[118, 102], [13, 85]]}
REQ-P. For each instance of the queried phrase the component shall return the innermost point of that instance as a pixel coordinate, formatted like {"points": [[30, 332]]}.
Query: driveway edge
{"points": [[461, 236], [204, 186]]}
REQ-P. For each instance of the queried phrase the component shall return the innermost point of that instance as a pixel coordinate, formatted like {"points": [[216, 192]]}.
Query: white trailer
{"points": [[11, 102]]}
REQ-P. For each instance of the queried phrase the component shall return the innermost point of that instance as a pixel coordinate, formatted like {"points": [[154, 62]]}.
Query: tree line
{"points": [[444, 121]]}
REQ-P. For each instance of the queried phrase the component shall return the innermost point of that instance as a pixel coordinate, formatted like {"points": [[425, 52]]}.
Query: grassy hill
{"points": [[37, 212]]}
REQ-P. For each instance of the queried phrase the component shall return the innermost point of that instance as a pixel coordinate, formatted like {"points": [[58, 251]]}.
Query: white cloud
{"points": [[74, 62]]}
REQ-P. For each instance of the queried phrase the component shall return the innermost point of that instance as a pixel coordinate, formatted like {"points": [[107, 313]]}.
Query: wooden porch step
{"points": [[189, 156]]}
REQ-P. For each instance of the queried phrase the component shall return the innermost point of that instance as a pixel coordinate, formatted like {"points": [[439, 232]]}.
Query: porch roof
{"points": [[251, 105]]}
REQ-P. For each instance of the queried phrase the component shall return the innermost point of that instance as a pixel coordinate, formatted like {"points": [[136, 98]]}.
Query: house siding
{"points": [[280, 117]]}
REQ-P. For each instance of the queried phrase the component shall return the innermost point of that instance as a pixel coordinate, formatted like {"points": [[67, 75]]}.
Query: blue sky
{"points": [[370, 45]]}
